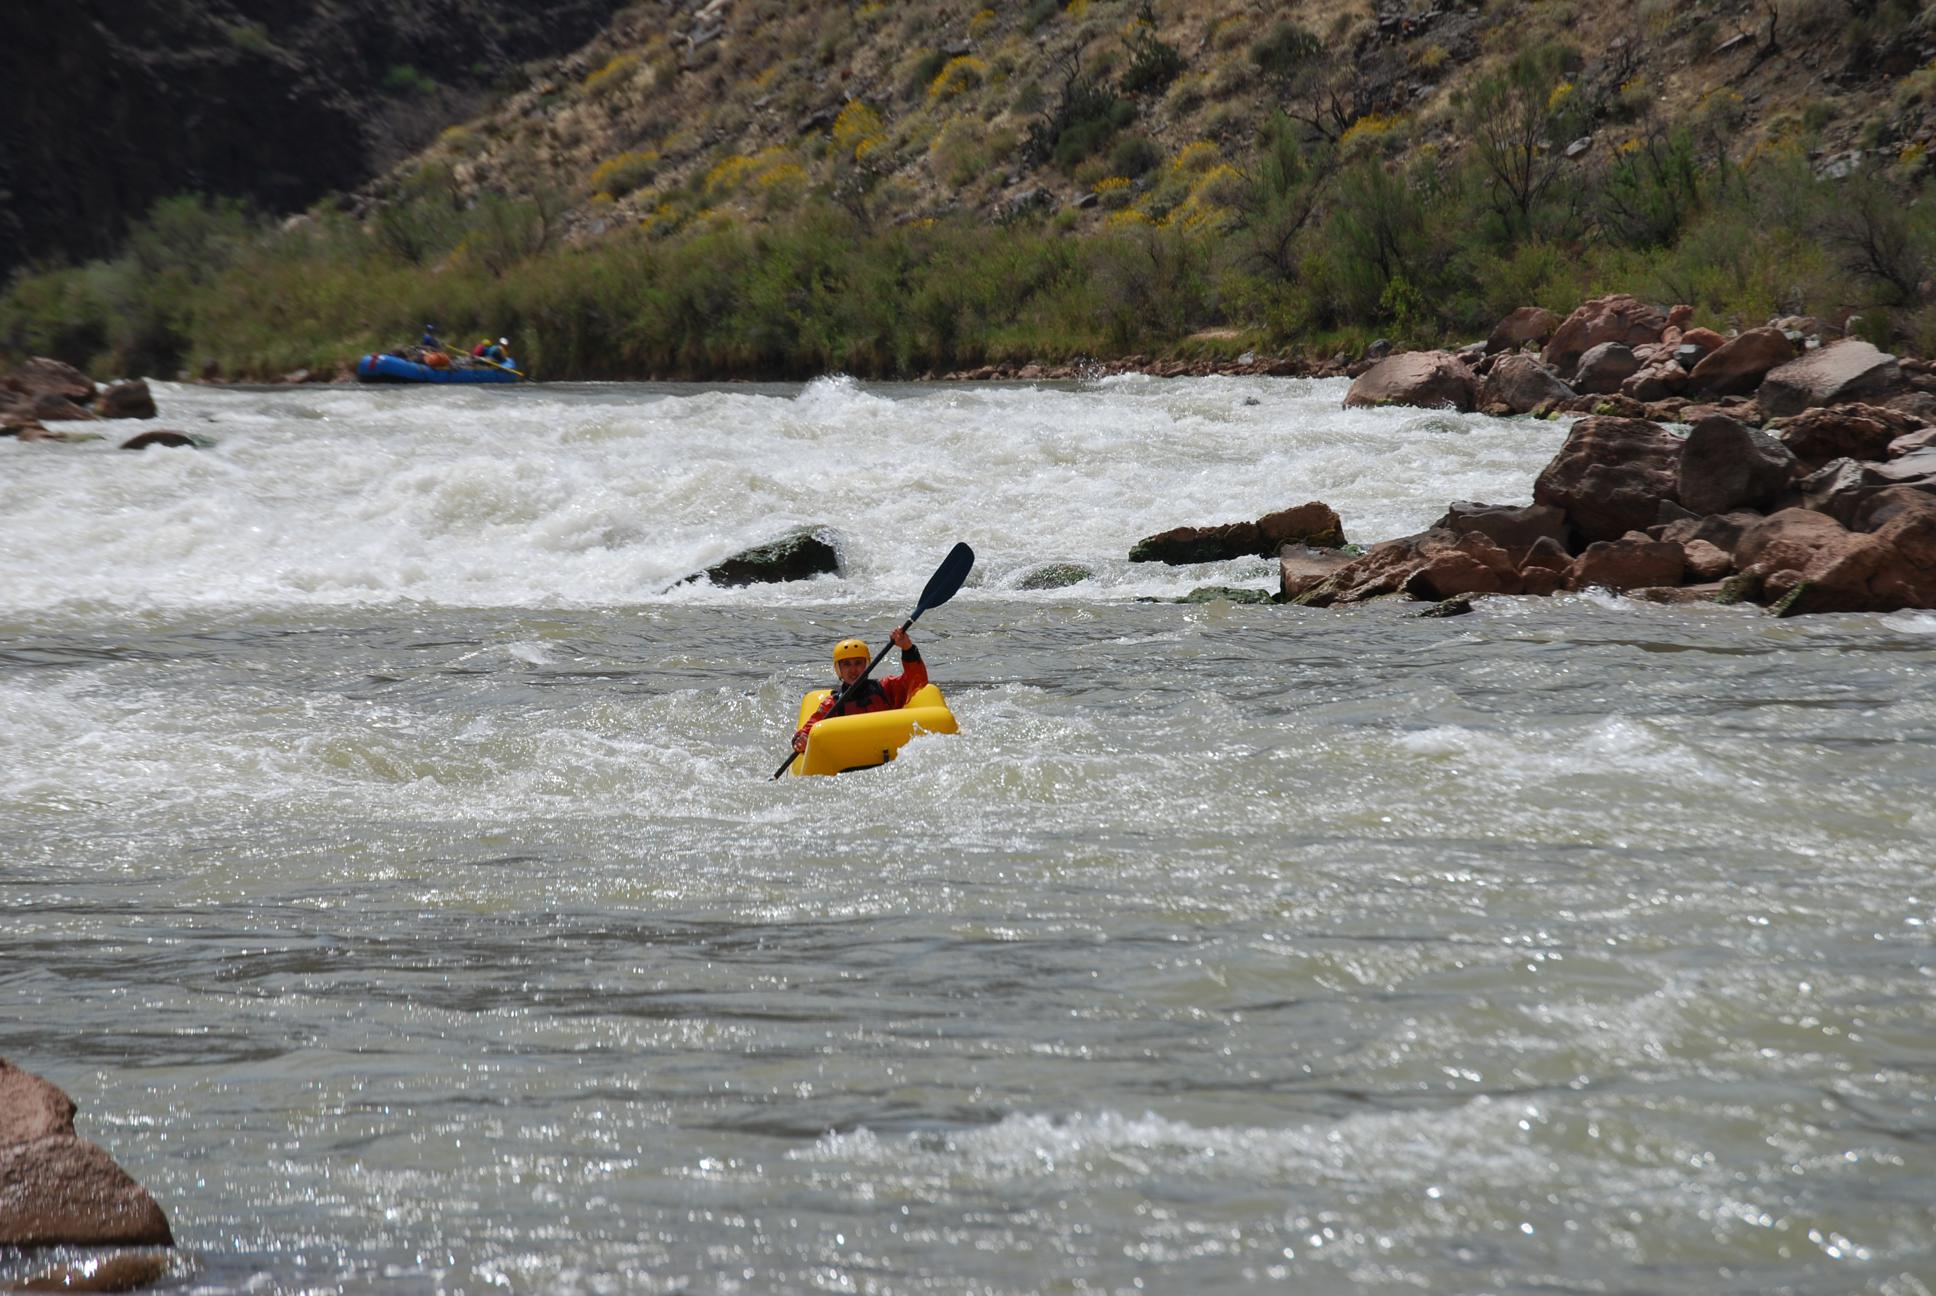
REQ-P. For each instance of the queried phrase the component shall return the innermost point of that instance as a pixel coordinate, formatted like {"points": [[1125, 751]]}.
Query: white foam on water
{"points": [[594, 496], [1615, 747], [1375, 1148]]}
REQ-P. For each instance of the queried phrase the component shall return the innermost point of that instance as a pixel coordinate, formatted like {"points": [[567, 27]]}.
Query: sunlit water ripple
{"points": [[390, 872]]}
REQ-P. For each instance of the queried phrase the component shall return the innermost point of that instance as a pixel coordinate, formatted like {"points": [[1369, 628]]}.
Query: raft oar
{"points": [[505, 367], [942, 585]]}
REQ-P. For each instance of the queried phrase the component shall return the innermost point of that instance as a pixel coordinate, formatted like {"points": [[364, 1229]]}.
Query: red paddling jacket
{"points": [[870, 694]]}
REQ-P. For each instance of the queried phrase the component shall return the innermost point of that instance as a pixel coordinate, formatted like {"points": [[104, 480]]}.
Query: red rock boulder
{"points": [[130, 399], [1634, 561], [1470, 565], [1736, 367], [65, 1191], [1779, 548], [30, 1107], [1533, 324], [1514, 528], [1887, 570], [1727, 465], [1315, 524], [1520, 384], [1836, 374], [1618, 318], [1383, 569], [41, 376], [1663, 380], [52, 408], [1426, 379], [1817, 436], [1604, 367], [57, 1189], [1611, 475], [1301, 569]]}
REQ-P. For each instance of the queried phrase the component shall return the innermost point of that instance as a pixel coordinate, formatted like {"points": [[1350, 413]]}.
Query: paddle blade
{"points": [[946, 580]]}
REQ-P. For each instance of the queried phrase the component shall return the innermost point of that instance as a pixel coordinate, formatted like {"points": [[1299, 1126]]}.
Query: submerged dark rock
{"points": [[1226, 594], [800, 555], [158, 437], [1054, 576]]}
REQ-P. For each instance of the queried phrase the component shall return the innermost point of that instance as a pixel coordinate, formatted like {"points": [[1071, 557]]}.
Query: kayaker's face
{"points": [[849, 668]]}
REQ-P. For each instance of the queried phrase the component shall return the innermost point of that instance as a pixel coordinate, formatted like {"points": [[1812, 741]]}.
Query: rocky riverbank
{"points": [[1775, 467], [44, 391]]}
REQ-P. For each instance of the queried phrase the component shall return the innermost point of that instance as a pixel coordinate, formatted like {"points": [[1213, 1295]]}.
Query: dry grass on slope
{"points": [[731, 110]]}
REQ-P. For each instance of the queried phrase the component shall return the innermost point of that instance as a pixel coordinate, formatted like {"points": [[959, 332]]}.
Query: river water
{"points": [[389, 870]]}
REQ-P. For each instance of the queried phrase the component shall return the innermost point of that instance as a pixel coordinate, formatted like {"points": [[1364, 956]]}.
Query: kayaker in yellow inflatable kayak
{"points": [[892, 693], [862, 723]]}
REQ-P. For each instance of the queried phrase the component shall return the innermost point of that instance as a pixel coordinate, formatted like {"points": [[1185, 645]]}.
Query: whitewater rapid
{"points": [[605, 495]]}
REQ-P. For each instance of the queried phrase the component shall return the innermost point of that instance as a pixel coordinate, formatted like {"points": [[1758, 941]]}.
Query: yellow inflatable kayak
{"points": [[854, 742]]}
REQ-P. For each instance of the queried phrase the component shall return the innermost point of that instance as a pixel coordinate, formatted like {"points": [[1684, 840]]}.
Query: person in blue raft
{"points": [[850, 659]]}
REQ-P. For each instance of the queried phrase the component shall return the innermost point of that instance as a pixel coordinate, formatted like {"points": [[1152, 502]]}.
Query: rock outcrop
{"points": [[1829, 508], [43, 390]]}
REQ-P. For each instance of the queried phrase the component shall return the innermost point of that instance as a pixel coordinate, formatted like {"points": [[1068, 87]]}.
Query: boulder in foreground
{"points": [[66, 1191], [57, 1189]]}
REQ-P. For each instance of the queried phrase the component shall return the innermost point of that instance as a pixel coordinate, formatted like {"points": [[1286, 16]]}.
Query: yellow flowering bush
{"points": [[961, 73], [858, 126], [1196, 157], [1368, 127], [613, 74], [615, 177], [766, 170]]}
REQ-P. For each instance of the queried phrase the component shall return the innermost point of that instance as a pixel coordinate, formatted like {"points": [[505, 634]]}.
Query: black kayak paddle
{"points": [[942, 586]]}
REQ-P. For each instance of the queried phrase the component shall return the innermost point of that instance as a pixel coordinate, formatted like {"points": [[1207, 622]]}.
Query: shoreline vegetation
{"points": [[1304, 257]]}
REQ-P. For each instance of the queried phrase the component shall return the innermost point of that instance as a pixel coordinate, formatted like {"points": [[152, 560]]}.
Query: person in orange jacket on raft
{"points": [[850, 659]]}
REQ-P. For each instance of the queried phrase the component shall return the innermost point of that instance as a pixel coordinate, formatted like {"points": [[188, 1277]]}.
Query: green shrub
{"points": [[251, 37], [1085, 119], [1650, 190], [1133, 155], [1153, 63], [406, 81]]}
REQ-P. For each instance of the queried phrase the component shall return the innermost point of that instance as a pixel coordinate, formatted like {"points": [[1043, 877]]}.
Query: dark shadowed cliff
{"points": [[110, 106]]}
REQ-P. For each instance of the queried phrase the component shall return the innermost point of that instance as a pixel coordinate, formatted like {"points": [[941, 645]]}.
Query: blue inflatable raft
{"points": [[394, 368]]}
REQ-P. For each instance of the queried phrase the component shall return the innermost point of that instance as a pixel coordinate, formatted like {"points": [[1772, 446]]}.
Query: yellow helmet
{"points": [[848, 648]]}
